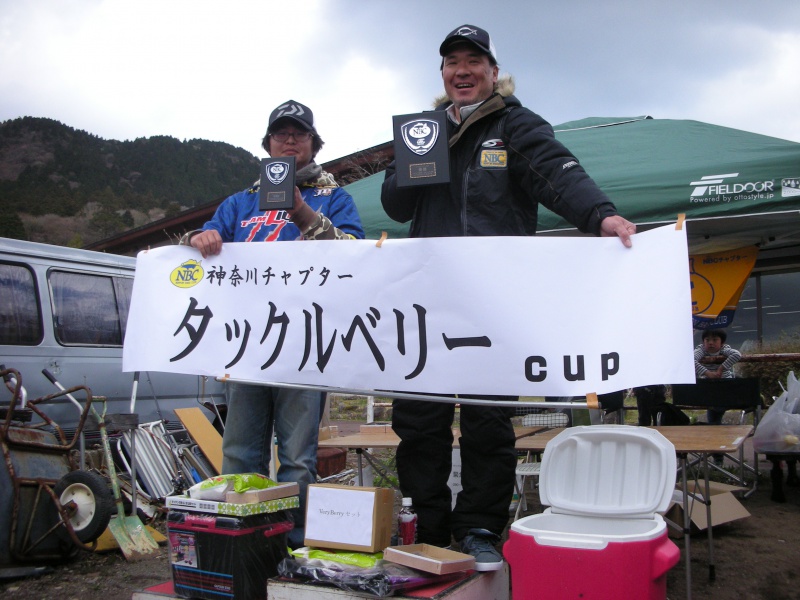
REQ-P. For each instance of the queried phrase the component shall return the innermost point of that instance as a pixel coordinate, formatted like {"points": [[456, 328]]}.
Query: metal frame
{"points": [[743, 394], [44, 486]]}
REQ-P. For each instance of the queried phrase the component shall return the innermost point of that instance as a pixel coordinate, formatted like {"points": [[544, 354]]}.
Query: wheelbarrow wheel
{"points": [[93, 504]]}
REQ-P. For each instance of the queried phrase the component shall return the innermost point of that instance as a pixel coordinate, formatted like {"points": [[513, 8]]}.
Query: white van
{"points": [[65, 310]]}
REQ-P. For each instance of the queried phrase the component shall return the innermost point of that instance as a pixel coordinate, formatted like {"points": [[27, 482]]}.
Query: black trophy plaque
{"points": [[276, 191], [421, 151]]}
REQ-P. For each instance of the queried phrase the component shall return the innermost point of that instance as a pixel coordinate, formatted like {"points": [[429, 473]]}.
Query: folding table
{"points": [[372, 437]]}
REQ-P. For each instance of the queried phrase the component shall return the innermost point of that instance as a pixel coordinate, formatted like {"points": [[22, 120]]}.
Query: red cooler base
{"points": [[620, 570]]}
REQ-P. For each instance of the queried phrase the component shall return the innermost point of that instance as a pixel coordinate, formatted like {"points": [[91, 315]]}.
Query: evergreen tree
{"points": [[11, 226], [173, 210]]}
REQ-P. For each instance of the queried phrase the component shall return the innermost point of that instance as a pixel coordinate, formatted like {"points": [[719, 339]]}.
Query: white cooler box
{"points": [[601, 538]]}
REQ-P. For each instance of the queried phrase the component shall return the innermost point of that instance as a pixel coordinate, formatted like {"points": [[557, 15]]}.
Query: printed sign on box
{"points": [[349, 518]]}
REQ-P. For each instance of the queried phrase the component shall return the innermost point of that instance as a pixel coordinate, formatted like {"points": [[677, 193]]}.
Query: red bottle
{"points": [[407, 524]]}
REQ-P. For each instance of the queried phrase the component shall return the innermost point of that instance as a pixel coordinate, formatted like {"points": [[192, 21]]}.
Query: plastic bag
{"points": [[346, 557], [779, 429], [381, 581], [215, 488]]}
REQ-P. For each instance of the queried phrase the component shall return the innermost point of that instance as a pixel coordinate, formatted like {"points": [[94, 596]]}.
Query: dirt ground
{"points": [[756, 558]]}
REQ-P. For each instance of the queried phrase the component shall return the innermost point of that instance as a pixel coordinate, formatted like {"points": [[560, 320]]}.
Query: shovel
{"points": [[129, 532]]}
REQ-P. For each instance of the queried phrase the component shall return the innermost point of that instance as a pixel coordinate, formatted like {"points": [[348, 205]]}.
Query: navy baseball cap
{"points": [[291, 109], [473, 35]]}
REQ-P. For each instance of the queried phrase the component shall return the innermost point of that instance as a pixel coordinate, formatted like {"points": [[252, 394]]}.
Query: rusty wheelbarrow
{"points": [[129, 532], [50, 508]]}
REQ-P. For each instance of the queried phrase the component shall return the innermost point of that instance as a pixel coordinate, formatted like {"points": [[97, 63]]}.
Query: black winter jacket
{"points": [[504, 160]]}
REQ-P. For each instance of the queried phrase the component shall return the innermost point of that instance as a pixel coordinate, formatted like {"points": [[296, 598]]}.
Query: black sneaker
{"points": [[480, 544]]}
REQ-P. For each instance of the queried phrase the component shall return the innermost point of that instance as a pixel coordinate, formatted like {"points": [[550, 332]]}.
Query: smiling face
{"points": [[302, 150], [468, 74]]}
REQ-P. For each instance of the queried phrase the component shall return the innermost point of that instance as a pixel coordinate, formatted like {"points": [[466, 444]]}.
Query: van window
{"points": [[89, 309], [20, 313]]}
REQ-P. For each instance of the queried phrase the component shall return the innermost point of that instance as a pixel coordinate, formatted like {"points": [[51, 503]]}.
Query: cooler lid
{"points": [[608, 470]]}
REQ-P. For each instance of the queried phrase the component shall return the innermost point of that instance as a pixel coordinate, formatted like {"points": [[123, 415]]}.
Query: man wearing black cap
{"points": [[322, 210], [504, 161]]}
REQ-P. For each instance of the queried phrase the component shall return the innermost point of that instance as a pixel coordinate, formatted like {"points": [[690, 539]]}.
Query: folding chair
{"points": [[529, 468], [741, 394]]}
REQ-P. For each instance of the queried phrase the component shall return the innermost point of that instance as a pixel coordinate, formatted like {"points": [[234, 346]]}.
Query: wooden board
{"points": [[203, 433]]}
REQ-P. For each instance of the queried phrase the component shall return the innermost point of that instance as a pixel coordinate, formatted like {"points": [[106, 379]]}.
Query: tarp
{"points": [[736, 188], [367, 195]]}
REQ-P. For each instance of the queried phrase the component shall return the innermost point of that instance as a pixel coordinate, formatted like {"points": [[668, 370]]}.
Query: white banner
{"points": [[481, 315]]}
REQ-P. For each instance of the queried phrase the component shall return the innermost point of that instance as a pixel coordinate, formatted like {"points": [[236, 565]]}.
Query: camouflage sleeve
{"points": [[323, 229]]}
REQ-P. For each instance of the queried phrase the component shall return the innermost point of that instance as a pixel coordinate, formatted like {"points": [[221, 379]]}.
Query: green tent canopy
{"points": [[736, 188], [367, 195]]}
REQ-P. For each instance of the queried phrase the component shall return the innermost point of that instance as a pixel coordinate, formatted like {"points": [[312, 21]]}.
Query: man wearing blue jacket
{"points": [[504, 162], [322, 211]]}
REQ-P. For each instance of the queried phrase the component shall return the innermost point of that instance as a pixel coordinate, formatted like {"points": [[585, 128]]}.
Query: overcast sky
{"points": [[125, 69]]}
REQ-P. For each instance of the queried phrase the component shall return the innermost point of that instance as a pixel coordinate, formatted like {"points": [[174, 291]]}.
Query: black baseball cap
{"points": [[473, 35], [291, 109]]}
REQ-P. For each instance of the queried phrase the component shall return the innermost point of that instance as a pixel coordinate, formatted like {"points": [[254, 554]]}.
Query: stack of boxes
{"points": [[224, 549]]}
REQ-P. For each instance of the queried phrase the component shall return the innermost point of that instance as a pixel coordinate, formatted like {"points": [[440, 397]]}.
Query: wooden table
{"points": [[695, 439], [700, 440], [381, 437]]}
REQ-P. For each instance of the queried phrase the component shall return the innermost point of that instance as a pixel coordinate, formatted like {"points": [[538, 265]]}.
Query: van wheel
{"points": [[92, 501]]}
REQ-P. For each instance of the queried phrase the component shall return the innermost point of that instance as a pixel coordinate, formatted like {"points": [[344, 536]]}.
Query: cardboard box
{"points": [[378, 429], [430, 559], [328, 432], [724, 507], [280, 490], [345, 517], [231, 509]]}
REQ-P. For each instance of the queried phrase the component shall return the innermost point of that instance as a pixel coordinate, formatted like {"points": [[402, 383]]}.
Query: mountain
{"points": [[65, 186]]}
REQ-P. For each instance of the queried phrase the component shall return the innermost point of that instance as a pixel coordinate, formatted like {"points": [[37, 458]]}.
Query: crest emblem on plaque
{"points": [[277, 172], [420, 135]]}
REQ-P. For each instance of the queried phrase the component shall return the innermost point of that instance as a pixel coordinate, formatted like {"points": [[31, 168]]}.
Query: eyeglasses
{"points": [[300, 136]]}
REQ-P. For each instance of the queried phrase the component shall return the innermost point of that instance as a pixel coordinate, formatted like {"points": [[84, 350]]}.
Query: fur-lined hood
{"points": [[505, 87]]}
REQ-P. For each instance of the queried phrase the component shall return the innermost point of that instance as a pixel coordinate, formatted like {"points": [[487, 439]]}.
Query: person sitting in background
{"points": [[714, 345]]}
